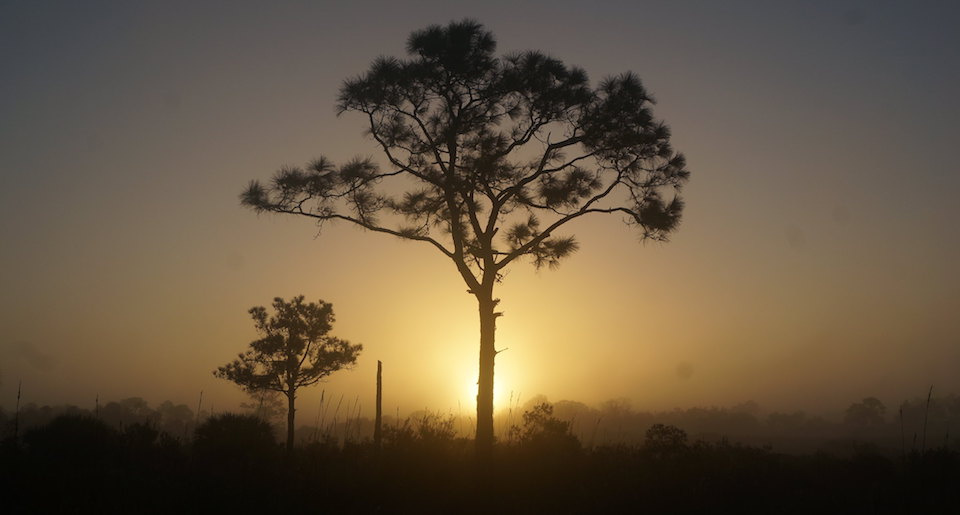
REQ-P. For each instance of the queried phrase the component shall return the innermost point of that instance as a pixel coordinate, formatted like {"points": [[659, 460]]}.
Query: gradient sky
{"points": [[816, 263]]}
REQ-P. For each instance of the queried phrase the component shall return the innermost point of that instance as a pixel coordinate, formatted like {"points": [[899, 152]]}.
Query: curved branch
{"points": [[538, 239], [506, 194], [368, 226], [390, 156]]}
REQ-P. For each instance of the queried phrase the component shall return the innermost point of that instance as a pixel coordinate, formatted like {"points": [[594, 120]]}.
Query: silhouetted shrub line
{"points": [[77, 463], [610, 423]]}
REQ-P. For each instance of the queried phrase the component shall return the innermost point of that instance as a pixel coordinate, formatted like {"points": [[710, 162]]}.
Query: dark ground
{"points": [[78, 464]]}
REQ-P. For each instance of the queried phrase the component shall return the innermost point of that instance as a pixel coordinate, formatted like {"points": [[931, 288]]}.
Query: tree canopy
{"points": [[458, 123], [294, 351], [487, 158]]}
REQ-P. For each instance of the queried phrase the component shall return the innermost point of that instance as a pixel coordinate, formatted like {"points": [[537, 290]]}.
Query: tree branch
{"points": [[368, 226], [516, 188], [536, 240]]}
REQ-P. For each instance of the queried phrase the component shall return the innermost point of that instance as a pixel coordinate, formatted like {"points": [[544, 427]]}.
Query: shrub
{"points": [[73, 441], [427, 430], [236, 439], [541, 430]]}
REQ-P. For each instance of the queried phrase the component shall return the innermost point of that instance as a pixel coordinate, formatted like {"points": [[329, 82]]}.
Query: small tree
{"points": [[489, 160], [868, 412], [294, 351], [664, 440]]}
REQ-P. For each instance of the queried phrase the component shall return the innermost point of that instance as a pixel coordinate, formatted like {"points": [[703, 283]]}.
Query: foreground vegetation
{"points": [[233, 462]]}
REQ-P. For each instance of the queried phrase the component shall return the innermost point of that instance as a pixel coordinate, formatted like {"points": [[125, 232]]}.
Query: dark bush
{"points": [[72, 441], [235, 439], [542, 431], [665, 439], [428, 430]]}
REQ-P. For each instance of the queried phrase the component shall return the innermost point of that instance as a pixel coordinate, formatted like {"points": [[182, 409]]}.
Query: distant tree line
{"points": [[896, 430], [171, 418], [337, 420]]}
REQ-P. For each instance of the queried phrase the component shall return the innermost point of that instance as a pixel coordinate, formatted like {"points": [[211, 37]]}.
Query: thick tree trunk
{"points": [[488, 323], [291, 412]]}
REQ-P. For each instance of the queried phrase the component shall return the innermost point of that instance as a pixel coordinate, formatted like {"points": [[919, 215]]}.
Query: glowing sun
{"points": [[501, 392]]}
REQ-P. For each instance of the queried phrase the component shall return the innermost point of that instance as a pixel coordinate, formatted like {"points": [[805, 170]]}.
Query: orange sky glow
{"points": [[816, 263]]}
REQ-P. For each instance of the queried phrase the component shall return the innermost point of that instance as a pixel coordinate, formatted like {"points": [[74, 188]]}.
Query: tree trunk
{"points": [[488, 323], [291, 412]]}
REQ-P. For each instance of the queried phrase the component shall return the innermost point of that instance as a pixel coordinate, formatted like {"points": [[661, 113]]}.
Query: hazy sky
{"points": [[816, 263]]}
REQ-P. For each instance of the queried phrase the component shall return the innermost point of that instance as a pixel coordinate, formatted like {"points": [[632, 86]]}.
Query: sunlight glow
{"points": [[501, 392]]}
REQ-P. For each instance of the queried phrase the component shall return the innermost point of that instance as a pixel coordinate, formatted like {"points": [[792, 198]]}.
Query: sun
{"points": [[501, 392], [463, 380]]}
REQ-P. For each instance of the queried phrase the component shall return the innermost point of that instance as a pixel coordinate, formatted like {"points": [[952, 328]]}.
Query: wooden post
{"points": [[378, 424], [199, 404], [16, 417]]}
